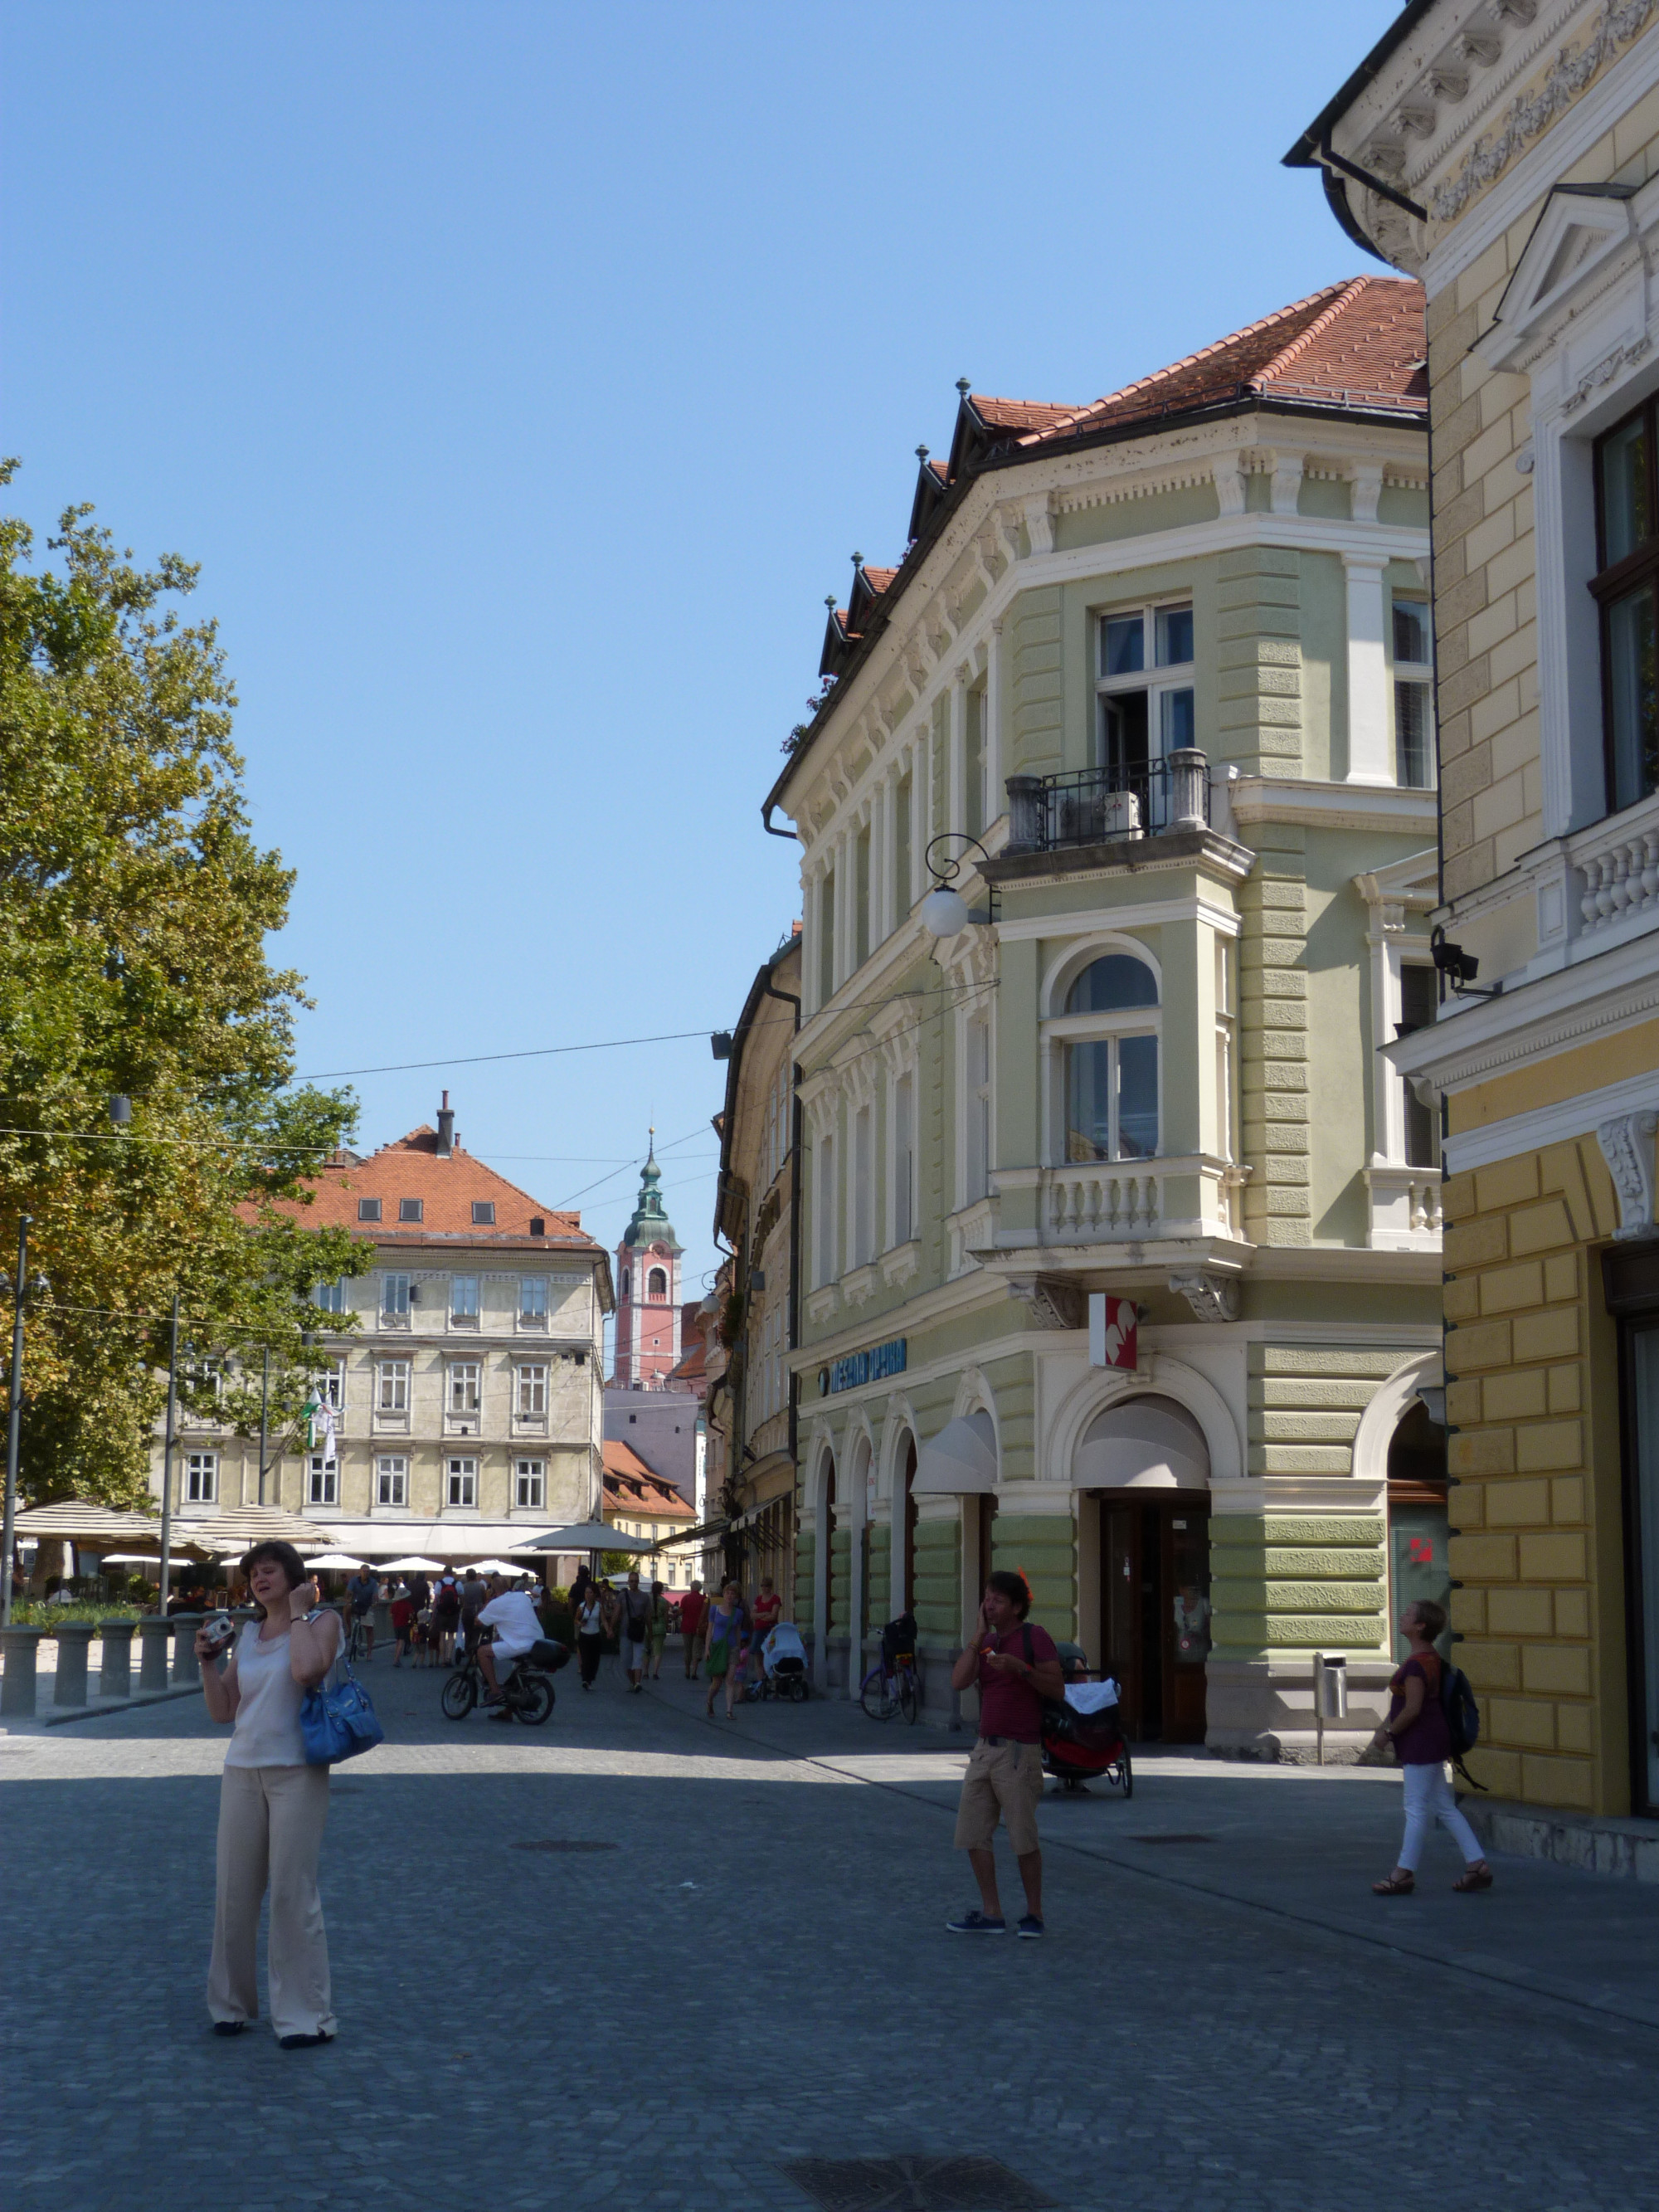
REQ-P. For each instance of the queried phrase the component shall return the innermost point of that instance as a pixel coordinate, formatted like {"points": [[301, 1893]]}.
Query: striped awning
{"points": [[83, 1523]]}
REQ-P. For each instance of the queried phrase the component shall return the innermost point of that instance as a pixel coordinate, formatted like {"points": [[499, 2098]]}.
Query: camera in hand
{"points": [[220, 1630]]}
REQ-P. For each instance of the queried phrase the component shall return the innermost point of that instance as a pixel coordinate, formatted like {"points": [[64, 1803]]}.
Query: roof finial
{"points": [[858, 560], [963, 386], [830, 601], [921, 453]]}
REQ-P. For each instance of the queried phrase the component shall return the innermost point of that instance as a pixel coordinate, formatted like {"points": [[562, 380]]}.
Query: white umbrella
{"points": [[508, 1567], [143, 1560], [416, 1566], [334, 1562]]}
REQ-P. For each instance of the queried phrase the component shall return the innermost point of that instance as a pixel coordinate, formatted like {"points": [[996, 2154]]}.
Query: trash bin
{"points": [[1333, 1685]]}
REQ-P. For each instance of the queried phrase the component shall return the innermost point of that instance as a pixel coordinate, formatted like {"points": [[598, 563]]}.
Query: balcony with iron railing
{"points": [[1120, 803]]}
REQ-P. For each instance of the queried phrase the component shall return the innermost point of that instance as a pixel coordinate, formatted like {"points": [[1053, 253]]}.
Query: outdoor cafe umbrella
{"points": [[334, 1563], [415, 1566], [587, 1536], [501, 1567], [144, 1559]]}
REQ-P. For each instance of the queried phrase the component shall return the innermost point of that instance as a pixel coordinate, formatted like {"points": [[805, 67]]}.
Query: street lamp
{"points": [[944, 912]]}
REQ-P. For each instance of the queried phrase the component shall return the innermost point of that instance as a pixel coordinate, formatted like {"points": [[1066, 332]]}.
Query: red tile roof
{"points": [[447, 1189], [630, 1488]]}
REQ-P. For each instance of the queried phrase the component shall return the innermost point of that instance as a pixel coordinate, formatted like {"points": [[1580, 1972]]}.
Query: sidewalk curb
{"points": [[54, 1718]]}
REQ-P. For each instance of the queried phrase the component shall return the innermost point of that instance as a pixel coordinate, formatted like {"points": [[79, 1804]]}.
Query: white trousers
{"points": [[271, 1835], [1429, 1798]]}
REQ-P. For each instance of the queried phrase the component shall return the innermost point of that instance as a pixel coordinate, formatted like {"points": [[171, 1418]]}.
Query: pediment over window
{"points": [[1405, 888], [1581, 231]]}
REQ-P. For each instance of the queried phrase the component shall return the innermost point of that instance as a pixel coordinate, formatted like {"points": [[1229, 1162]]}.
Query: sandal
{"points": [[1397, 1885], [1474, 1877]]}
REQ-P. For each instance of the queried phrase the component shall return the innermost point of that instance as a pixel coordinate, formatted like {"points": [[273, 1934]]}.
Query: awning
{"points": [[960, 1460], [1144, 1443]]}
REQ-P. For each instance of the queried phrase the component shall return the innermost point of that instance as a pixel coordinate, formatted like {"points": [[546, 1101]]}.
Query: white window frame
{"points": [[901, 1157], [200, 1478], [330, 1297], [1158, 681], [457, 1316], [332, 1386], [1226, 1032], [395, 1285], [532, 1301], [824, 1224], [462, 1376], [531, 1382], [1418, 676], [976, 1114], [460, 1484], [530, 1476], [392, 1482], [1058, 1030], [392, 1386], [861, 1183], [322, 1479]]}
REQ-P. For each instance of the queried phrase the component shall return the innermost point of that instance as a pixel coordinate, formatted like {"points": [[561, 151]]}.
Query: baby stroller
{"points": [[1083, 1738], [783, 1666]]}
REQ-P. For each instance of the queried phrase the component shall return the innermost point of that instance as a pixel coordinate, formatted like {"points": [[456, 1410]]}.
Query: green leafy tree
{"points": [[134, 911]]}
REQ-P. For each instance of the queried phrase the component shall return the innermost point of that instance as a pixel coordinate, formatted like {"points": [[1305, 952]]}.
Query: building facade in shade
{"points": [[648, 1290], [1511, 161], [641, 1503], [1122, 1246], [466, 1405], [751, 1407]]}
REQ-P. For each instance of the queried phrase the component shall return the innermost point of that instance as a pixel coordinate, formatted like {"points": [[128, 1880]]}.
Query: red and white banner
{"points": [[1112, 1330]]}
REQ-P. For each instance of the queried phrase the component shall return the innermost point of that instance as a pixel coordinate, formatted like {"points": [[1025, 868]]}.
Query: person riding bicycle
{"points": [[515, 1625], [362, 1591]]}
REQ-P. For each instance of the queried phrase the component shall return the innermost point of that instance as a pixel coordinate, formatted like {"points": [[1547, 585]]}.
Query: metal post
{"points": [[167, 1451], [9, 1528], [265, 1412]]}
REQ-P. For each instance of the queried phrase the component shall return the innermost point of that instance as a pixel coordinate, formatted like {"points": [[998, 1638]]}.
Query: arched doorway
{"points": [[901, 1579], [1146, 1463], [1418, 1522]]}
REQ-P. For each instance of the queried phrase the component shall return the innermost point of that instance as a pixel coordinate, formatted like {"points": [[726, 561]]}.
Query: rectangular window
{"points": [[864, 1186], [368, 1209], [461, 1482], [463, 1386], [1145, 701], [322, 1480], [331, 1296], [1111, 1090], [904, 1159], [827, 937], [464, 1299], [823, 1225], [1627, 543], [532, 1390], [332, 1385], [393, 1396], [532, 1298], [861, 897], [1418, 1002], [1223, 1049], [530, 1483], [392, 1481], [1413, 695], [977, 1160], [974, 764], [903, 798], [410, 1209], [394, 1296], [484, 1214], [201, 1478]]}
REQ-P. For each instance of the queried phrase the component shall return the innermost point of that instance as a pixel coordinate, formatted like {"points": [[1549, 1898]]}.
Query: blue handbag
{"points": [[337, 1719]]}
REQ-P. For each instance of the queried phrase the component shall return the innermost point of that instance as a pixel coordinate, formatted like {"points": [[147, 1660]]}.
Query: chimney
{"points": [[445, 1130]]}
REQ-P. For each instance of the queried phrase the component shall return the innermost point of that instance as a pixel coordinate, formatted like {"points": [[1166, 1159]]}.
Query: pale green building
{"points": [[1121, 1243]]}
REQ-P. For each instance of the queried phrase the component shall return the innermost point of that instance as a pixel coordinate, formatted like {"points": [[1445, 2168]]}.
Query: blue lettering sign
{"points": [[858, 1368]]}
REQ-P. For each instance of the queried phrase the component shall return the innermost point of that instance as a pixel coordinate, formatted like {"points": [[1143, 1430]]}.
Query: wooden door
{"points": [[1155, 1611]]}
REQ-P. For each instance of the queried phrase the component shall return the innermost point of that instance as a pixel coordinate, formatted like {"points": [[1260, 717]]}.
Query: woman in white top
{"points": [[590, 1633], [271, 1806]]}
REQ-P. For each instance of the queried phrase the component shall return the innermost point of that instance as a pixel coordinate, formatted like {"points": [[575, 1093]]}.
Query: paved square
{"points": [[756, 1974]]}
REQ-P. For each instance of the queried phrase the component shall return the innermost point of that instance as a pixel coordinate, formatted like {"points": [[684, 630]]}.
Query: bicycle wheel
{"points": [[909, 1694], [876, 1695], [1125, 1774], [460, 1694], [535, 1700]]}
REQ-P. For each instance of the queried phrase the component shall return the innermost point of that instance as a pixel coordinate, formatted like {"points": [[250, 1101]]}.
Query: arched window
{"points": [[1109, 1076], [625, 1287], [656, 1284]]}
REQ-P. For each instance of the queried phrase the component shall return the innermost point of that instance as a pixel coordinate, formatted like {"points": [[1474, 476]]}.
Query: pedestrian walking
{"points": [[1015, 1666], [475, 1596], [590, 1635], [658, 1636], [636, 1629], [272, 1805], [446, 1615], [693, 1605], [1417, 1729], [725, 1631], [610, 1609], [764, 1617], [403, 1623]]}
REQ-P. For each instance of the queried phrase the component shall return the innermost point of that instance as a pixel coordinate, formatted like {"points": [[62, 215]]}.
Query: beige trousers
{"points": [[271, 1834]]}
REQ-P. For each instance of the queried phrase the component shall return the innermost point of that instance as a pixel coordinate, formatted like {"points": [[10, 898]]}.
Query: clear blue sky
{"points": [[523, 376]]}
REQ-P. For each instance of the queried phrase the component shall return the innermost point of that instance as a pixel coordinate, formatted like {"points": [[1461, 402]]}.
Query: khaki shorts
{"points": [[1007, 1779]]}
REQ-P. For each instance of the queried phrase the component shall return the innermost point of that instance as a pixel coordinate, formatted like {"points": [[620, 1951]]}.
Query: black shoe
{"points": [[229, 2026], [303, 2042]]}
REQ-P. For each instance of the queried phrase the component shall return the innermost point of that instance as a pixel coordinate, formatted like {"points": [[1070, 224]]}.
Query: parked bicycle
{"points": [[893, 1686], [527, 1693], [357, 1638]]}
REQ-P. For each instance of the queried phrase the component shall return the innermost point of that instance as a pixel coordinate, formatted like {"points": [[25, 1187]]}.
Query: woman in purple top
{"points": [[1417, 1728]]}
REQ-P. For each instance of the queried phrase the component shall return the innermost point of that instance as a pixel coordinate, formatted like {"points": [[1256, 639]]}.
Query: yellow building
{"points": [[1509, 156]]}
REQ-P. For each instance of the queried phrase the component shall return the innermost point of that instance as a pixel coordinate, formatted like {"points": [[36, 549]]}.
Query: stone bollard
{"points": [[19, 1646], [153, 1634], [74, 1646], [115, 1659], [186, 1667]]}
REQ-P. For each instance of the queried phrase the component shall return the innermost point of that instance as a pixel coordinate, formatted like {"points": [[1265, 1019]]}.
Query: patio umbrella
{"points": [[587, 1536], [509, 1567], [334, 1562], [246, 1525], [413, 1566], [144, 1560], [84, 1524]]}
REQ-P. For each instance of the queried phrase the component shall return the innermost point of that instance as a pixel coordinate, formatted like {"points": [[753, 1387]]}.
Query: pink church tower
{"points": [[647, 1289]]}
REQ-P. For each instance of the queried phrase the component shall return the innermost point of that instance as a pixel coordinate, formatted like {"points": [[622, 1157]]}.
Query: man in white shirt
{"points": [[513, 1618]]}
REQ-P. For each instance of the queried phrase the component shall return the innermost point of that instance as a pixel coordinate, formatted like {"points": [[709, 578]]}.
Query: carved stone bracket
{"points": [[1627, 1143], [1052, 1304], [1211, 1297]]}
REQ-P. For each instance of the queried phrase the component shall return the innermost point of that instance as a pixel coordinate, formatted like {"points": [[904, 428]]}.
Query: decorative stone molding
{"points": [[1040, 522], [1287, 482], [1366, 479], [1050, 1302], [1627, 1143], [1211, 1296], [1603, 372]]}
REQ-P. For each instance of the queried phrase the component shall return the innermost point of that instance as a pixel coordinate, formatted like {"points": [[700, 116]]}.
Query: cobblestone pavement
{"points": [[1232, 2021]]}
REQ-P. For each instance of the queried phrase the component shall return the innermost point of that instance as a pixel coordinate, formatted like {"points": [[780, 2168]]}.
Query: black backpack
{"points": [[1462, 1717]]}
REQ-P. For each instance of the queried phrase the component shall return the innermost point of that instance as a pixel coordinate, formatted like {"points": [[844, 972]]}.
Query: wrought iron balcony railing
{"points": [[1097, 805]]}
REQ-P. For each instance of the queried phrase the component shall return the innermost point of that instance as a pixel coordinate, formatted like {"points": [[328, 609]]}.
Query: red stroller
{"points": [[1078, 1747]]}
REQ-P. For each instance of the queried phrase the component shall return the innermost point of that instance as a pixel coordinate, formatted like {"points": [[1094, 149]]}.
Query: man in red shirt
{"points": [[693, 1605], [1015, 1665]]}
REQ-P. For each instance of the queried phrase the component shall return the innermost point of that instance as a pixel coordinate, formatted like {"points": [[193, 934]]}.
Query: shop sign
{"points": [[861, 1367], [1112, 1331]]}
